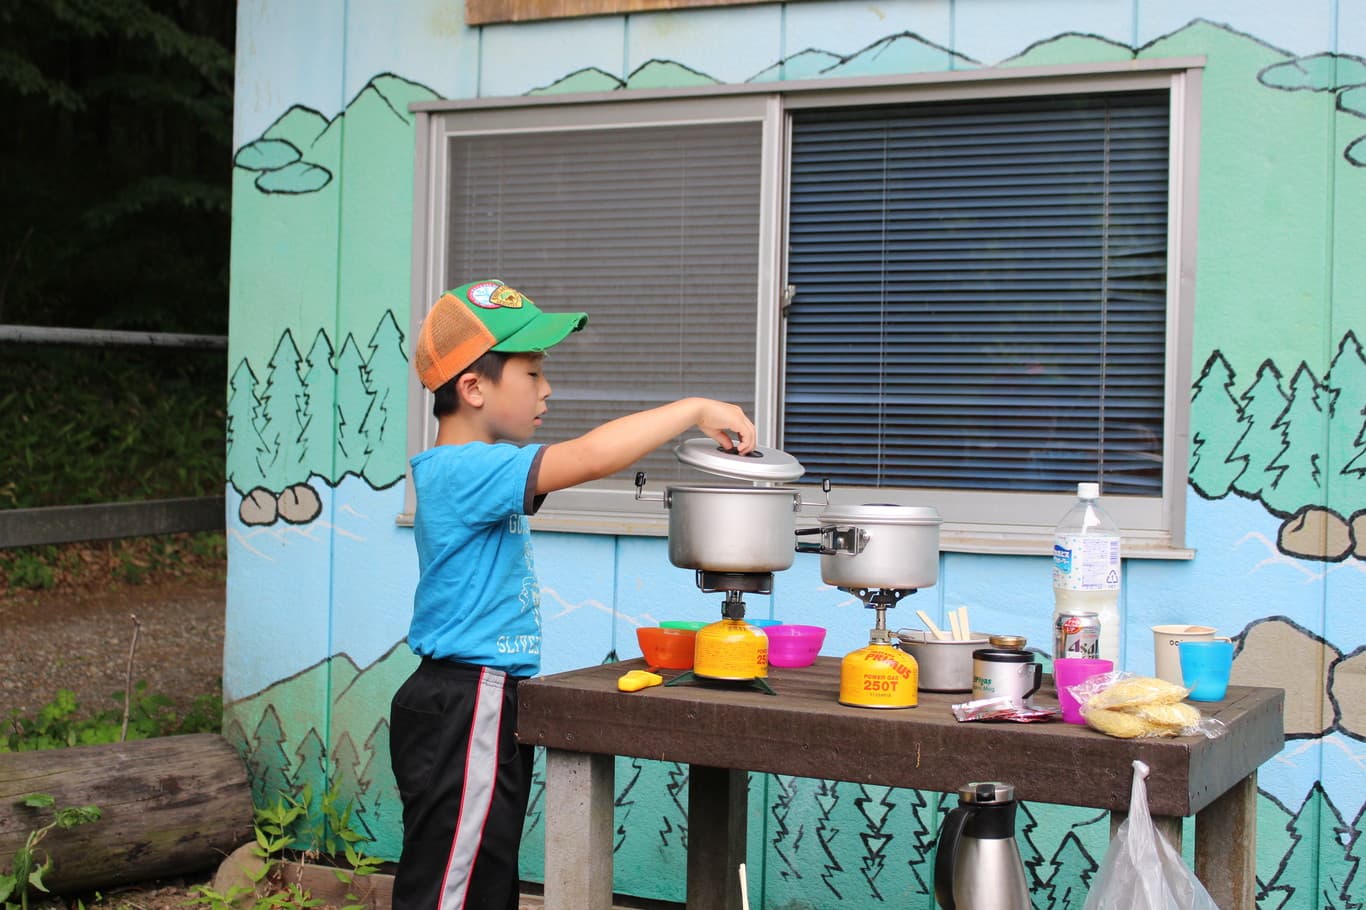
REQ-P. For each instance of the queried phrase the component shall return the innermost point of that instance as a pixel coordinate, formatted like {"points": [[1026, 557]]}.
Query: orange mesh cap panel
{"points": [[451, 338]]}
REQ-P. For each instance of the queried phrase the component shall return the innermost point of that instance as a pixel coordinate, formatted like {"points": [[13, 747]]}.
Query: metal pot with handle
{"points": [[732, 527], [878, 545]]}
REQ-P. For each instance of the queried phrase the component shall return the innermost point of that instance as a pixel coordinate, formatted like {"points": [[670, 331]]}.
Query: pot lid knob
{"points": [[763, 465]]}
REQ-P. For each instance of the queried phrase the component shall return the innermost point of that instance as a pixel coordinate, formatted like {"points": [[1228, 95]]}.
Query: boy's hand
{"points": [[717, 417]]}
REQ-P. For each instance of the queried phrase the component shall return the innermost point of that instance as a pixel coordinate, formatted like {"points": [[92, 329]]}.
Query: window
{"points": [[959, 292]]}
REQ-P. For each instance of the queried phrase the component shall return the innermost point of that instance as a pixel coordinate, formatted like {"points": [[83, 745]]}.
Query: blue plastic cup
{"points": [[1205, 668]]}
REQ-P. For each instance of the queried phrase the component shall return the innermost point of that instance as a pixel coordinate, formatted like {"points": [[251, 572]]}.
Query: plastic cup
{"points": [[1205, 669], [1070, 671], [1166, 644]]}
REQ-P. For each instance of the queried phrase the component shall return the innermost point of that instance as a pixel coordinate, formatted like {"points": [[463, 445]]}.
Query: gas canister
{"points": [[879, 676]]}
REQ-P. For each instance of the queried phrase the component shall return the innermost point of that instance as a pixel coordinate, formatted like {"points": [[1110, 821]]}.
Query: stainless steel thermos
{"points": [[977, 865]]}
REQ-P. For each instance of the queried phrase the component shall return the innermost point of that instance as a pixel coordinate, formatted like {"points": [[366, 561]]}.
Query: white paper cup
{"points": [[1167, 648]]}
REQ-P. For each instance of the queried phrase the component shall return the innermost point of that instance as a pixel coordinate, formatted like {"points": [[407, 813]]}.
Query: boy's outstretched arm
{"points": [[620, 443]]}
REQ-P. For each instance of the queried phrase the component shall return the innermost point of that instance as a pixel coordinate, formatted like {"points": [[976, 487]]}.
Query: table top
{"points": [[804, 731]]}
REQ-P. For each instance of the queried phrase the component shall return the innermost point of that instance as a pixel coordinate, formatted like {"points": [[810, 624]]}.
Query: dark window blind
{"points": [[653, 231], [981, 294]]}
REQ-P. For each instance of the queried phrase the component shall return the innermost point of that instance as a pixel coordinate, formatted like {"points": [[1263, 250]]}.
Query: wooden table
{"points": [[724, 732]]}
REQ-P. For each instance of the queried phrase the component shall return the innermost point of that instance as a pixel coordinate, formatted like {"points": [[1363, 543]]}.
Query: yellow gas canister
{"points": [[730, 649], [879, 676]]}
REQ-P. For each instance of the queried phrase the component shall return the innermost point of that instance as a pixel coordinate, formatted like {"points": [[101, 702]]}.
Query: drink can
{"points": [[1076, 633]]}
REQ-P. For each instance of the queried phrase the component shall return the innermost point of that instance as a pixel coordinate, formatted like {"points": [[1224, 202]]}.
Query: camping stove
{"points": [[880, 675], [731, 650]]}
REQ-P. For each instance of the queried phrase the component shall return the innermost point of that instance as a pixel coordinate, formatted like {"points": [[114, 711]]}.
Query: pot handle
{"points": [[825, 488], [803, 546], [835, 541], [641, 495]]}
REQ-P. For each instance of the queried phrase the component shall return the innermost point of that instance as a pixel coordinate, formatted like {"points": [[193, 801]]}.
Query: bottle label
{"points": [[1086, 563]]}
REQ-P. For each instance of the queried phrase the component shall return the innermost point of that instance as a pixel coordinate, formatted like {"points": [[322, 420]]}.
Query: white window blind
{"points": [[651, 230], [980, 294]]}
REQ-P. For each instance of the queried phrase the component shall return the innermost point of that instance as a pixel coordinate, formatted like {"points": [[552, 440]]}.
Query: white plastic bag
{"points": [[1141, 870]]}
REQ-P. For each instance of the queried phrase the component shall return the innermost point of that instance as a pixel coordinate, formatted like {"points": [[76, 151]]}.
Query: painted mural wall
{"points": [[320, 575]]}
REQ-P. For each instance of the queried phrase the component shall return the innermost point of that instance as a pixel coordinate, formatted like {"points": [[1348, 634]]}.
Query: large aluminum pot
{"points": [[877, 546], [732, 529]]}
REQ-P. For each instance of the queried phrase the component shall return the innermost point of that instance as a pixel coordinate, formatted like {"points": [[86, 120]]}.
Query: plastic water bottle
{"points": [[1086, 570]]}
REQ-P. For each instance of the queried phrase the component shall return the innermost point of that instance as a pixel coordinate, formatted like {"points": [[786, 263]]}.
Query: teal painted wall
{"points": [[320, 577]]}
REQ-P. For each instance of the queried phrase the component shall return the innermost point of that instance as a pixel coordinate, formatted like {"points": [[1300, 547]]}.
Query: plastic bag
{"points": [[1128, 706], [1141, 871]]}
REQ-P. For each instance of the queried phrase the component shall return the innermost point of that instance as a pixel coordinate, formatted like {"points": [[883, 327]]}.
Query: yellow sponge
{"points": [[635, 680]]}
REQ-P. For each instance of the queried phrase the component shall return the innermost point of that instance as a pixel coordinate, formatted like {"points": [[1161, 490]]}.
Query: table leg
{"points": [[1226, 846], [579, 791], [718, 815]]}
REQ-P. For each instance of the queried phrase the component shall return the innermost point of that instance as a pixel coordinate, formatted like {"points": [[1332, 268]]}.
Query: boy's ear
{"points": [[467, 387]]}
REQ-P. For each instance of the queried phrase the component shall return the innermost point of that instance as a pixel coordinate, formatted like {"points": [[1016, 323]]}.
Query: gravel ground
{"points": [[80, 640]]}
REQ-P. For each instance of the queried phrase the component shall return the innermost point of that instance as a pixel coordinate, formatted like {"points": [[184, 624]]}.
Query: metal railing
{"points": [[109, 520]]}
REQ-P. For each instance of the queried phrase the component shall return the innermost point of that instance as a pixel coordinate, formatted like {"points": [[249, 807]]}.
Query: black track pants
{"points": [[464, 783]]}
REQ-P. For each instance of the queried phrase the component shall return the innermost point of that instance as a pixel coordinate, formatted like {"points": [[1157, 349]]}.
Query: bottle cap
{"points": [[1088, 490]]}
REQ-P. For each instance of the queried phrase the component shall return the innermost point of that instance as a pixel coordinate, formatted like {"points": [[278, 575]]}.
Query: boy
{"points": [[463, 778]]}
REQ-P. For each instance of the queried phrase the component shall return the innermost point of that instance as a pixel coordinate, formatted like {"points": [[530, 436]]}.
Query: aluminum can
{"points": [[1076, 633]]}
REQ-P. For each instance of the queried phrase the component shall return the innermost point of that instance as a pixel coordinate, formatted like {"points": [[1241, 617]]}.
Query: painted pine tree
{"points": [[1073, 872], [1346, 464], [923, 833], [310, 770], [320, 381], [346, 782], [268, 763], [378, 797], [832, 872], [282, 411], [877, 807], [785, 842], [353, 404], [387, 370], [1214, 430], [1303, 429], [1320, 869], [1262, 404], [246, 449]]}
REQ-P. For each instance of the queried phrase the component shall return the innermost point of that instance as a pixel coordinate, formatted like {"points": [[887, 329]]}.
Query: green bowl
{"points": [[693, 624]]}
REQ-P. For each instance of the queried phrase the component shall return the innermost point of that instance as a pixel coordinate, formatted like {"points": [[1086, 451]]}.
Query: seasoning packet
{"points": [[1005, 708]]}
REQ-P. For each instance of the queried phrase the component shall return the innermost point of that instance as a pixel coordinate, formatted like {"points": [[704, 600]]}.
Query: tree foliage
{"points": [[117, 155]]}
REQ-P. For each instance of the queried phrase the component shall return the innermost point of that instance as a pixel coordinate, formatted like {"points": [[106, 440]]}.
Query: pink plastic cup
{"points": [[1069, 671]]}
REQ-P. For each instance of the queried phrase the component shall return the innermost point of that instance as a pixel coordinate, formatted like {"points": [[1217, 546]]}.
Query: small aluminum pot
{"points": [[877, 546], [732, 529]]}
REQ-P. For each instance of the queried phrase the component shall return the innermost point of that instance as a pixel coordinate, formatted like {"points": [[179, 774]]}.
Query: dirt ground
{"points": [[79, 637]]}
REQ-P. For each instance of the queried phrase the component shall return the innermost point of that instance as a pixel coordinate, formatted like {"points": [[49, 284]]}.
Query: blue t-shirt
{"points": [[477, 598]]}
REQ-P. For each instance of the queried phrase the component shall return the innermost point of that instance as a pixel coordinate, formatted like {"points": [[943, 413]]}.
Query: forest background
{"points": [[117, 156]]}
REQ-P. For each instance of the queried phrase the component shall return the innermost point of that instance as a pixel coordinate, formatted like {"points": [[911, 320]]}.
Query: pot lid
{"points": [[879, 513], [761, 465]]}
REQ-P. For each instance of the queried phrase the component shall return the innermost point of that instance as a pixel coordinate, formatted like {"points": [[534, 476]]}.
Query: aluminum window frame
{"points": [[975, 522]]}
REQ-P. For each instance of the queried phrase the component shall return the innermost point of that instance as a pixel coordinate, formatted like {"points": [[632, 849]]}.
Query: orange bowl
{"points": [[671, 649]]}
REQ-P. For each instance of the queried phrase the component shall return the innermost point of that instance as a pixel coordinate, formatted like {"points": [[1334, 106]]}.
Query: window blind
{"points": [[651, 230], [980, 294]]}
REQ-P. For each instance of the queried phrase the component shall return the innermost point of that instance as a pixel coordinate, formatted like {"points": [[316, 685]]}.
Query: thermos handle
{"points": [[1038, 679], [946, 855]]}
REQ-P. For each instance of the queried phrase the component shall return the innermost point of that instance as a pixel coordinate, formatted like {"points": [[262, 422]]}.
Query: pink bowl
{"points": [[794, 646]]}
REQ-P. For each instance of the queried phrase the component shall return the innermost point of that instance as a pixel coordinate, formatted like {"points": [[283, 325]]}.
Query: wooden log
{"points": [[169, 806]]}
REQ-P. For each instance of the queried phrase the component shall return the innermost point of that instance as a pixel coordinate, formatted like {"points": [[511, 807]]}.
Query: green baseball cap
{"points": [[467, 322]]}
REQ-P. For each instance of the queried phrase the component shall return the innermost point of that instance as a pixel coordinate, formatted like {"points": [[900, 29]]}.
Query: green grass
{"points": [[84, 425]]}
